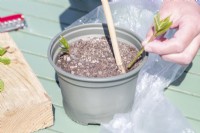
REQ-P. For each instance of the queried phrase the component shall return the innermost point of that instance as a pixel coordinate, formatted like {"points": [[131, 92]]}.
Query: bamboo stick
{"points": [[112, 33]]}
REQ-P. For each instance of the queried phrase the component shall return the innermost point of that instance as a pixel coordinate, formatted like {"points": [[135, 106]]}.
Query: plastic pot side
{"points": [[95, 100]]}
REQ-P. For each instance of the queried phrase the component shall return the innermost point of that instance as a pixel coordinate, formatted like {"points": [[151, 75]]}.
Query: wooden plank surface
{"points": [[44, 22], [23, 100]]}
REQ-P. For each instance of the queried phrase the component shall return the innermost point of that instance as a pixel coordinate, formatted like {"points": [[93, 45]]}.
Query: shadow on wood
{"points": [[182, 77]]}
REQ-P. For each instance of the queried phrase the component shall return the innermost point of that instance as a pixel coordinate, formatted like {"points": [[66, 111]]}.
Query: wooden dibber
{"points": [[112, 33], [25, 106]]}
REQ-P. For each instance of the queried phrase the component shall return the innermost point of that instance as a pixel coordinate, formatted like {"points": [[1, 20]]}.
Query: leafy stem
{"points": [[2, 51], [5, 61], [65, 44], [160, 28]]}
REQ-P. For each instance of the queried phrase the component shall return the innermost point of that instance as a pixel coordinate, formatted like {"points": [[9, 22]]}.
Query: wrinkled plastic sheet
{"points": [[152, 112]]}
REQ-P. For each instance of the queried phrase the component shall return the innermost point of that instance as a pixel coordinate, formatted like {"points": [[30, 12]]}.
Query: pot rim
{"points": [[94, 79]]}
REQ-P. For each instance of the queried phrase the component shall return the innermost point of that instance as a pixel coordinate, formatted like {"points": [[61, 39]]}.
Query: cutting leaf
{"points": [[2, 51], [5, 61], [64, 43], [156, 22], [164, 29]]}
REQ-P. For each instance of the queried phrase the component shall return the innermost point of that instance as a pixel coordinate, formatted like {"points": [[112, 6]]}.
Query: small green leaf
{"points": [[5, 61], [1, 85], [2, 51], [167, 19], [161, 26], [156, 21], [64, 42], [167, 25], [165, 29]]}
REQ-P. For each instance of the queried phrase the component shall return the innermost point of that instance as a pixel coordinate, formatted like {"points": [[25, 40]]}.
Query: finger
{"points": [[186, 33], [187, 55], [177, 44], [166, 12]]}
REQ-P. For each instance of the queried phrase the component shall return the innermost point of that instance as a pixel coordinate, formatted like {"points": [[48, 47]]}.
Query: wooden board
{"points": [[24, 104]]}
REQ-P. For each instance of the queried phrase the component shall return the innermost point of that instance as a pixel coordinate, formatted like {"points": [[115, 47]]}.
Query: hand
{"points": [[184, 45]]}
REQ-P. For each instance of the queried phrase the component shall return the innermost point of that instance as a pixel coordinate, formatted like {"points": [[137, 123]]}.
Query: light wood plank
{"points": [[23, 100]]}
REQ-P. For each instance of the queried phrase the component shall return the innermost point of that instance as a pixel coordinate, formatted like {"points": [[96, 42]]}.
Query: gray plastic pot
{"points": [[95, 100]]}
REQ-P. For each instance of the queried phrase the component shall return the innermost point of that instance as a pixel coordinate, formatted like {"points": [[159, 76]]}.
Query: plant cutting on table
{"points": [[5, 61]]}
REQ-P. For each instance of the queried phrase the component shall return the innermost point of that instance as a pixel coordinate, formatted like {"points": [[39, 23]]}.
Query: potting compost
{"points": [[152, 112]]}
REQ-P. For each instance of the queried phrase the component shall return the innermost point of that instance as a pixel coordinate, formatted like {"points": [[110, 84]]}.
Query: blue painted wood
{"points": [[189, 85], [42, 11], [188, 104], [195, 124], [36, 45], [81, 5], [194, 68], [64, 124]]}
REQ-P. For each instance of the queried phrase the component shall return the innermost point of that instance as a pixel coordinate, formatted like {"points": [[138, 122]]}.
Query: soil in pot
{"points": [[93, 57]]}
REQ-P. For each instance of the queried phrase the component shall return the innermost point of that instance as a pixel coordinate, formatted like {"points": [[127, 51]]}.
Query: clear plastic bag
{"points": [[151, 112]]}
